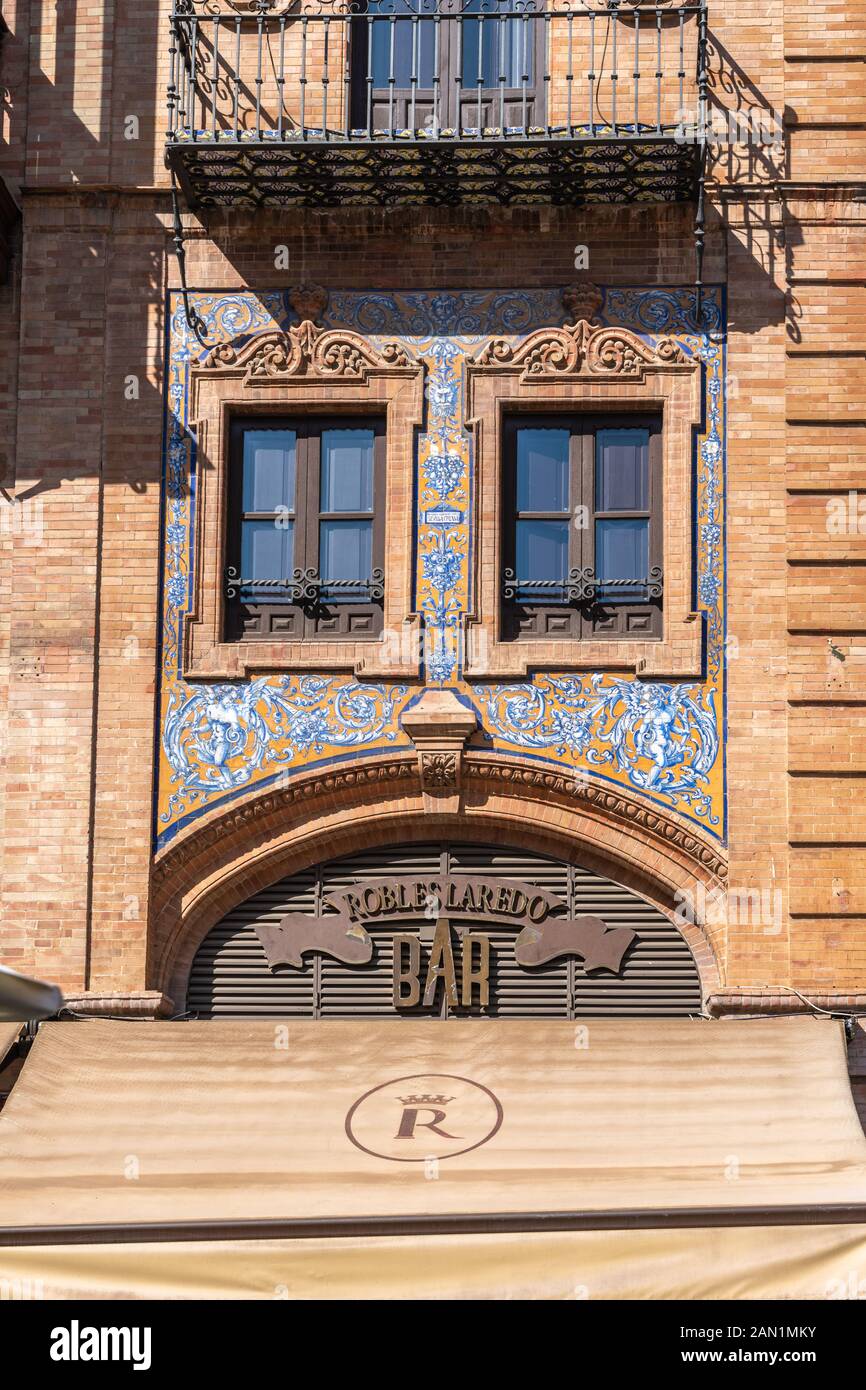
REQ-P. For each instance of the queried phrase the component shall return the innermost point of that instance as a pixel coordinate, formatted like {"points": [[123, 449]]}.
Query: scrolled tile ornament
{"points": [[662, 311], [217, 737], [440, 317], [663, 737]]}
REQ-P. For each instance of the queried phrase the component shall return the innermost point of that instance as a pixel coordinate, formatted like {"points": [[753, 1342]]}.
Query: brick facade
{"points": [[82, 446]]}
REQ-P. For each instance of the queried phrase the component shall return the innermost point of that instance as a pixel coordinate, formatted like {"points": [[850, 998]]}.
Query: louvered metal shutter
{"points": [[659, 976], [350, 991], [515, 993], [230, 975]]}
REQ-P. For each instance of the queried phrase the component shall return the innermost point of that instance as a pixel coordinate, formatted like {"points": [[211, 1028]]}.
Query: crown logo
{"points": [[424, 1100]]}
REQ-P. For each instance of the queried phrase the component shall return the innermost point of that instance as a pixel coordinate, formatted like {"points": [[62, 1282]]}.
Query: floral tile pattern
{"points": [[663, 741]]}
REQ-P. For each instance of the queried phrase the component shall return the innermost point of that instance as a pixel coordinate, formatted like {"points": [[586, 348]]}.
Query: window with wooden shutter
{"points": [[582, 538], [305, 548], [415, 64]]}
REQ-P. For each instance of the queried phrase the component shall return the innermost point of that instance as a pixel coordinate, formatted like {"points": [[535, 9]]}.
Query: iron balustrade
{"points": [[547, 101], [523, 69], [323, 103]]}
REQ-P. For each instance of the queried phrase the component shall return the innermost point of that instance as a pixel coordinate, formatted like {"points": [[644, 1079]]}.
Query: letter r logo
{"points": [[410, 1121]]}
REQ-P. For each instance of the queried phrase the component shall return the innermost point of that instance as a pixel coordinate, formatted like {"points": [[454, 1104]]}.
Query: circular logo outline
{"points": [[417, 1076]]}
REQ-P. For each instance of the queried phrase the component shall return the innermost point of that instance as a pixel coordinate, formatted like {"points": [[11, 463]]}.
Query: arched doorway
{"points": [[656, 976]]}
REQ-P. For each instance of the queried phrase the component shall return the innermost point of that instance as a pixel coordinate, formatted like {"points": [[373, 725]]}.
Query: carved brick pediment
{"points": [[305, 349], [583, 348]]}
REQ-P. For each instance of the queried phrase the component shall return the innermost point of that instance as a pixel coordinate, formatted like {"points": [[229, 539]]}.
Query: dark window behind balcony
{"points": [[416, 68], [404, 51], [494, 44]]}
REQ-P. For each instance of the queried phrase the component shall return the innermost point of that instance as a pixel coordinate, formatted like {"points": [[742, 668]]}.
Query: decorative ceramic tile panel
{"points": [[218, 742]]}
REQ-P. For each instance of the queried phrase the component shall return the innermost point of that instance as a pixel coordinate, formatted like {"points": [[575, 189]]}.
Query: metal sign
{"points": [[450, 904]]}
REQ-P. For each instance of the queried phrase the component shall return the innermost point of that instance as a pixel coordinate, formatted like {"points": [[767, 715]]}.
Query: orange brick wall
{"points": [[79, 613]]}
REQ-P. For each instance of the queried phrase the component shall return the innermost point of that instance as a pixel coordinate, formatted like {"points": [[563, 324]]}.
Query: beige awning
{"points": [[9, 1035], [427, 1159]]}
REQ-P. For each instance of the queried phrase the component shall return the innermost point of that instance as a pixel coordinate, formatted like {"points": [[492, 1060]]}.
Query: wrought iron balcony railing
{"points": [[315, 103]]}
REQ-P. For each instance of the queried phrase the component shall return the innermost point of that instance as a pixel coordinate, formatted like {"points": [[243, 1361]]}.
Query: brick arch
{"points": [[235, 853]]}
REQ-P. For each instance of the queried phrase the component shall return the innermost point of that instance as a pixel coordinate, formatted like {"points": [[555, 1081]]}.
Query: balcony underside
{"points": [[565, 170]]}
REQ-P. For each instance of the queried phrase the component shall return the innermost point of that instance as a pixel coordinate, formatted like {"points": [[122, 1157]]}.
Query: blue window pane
{"points": [[403, 47], [266, 553], [622, 470], [269, 470], [542, 553], [495, 46], [345, 552], [622, 552], [542, 470], [347, 471]]}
